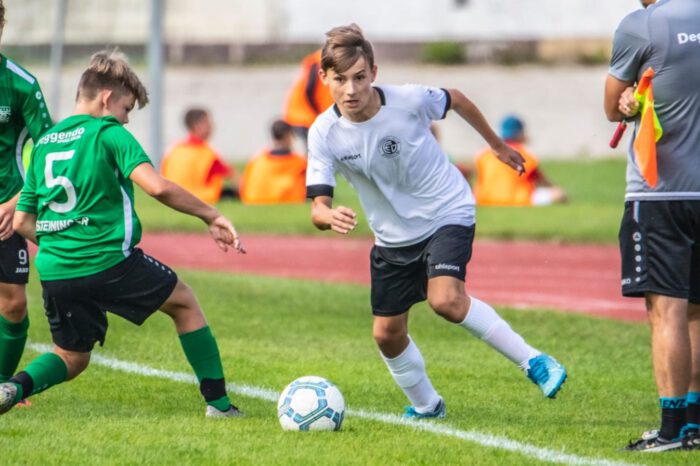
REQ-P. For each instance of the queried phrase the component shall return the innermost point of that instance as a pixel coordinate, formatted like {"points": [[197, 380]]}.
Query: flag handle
{"points": [[617, 135]]}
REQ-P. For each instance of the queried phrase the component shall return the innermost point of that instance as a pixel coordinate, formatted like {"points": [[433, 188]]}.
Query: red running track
{"points": [[578, 278]]}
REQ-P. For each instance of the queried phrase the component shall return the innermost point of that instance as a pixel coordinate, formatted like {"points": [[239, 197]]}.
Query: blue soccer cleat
{"points": [[546, 373], [438, 413]]}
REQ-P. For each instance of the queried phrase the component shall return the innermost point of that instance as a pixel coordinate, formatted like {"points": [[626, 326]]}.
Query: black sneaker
{"points": [[651, 442]]}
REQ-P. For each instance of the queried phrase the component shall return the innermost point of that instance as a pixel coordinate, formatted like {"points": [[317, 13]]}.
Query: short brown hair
{"points": [[194, 116], [344, 46], [2, 14], [280, 129], [110, 69]]}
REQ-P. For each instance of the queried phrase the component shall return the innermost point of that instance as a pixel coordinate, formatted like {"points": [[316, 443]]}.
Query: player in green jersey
{"points": [[23, 114], [78, 206]]}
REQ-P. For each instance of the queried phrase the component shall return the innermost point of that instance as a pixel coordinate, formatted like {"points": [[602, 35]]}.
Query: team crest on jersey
{"points": [[5, 113], [390, 147]]}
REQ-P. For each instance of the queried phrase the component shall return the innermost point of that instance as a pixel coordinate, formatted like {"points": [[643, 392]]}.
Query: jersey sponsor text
{"points": [[62, 137], [60, 225]]}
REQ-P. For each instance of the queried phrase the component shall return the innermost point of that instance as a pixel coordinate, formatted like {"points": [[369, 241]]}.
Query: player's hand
{"points": [[225, 235], [628, 104], [510, 157], [343, 220], [6, 214]]}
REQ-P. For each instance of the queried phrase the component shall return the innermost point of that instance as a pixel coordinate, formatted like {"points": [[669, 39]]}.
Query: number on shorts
{"points": [[62, 181], [23, 258]]}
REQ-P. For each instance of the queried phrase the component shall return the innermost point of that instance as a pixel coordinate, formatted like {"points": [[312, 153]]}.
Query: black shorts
{"points": [[660, 249], [400, 275], [14, 260], [77, 308]]}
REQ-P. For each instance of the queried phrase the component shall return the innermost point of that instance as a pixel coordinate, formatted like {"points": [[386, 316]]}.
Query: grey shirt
{"points": [[666, 37]]}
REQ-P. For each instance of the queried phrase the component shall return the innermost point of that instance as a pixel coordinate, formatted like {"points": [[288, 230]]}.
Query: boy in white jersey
{"points": [[418, 205]]}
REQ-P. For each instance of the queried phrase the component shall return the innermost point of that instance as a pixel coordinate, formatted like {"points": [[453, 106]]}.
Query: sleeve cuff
{"points": [[448, 103], [316, 190]]}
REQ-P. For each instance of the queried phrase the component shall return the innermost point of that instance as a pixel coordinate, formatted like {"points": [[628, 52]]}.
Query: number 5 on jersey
{"points": [[62, 181]]}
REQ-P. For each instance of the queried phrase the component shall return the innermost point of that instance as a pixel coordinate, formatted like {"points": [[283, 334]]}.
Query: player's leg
{"points": [[14, 321], [200, 348], [398, 282], [406, 365], [693, 400], [42, 373], [670, 346], [692, 426], [448, 253]]}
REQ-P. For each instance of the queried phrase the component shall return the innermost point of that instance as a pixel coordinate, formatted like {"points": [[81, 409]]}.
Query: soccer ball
{"points": [[311, 403]]}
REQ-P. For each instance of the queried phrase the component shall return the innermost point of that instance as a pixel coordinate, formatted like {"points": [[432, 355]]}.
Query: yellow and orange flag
{"points": [[649, 131]]}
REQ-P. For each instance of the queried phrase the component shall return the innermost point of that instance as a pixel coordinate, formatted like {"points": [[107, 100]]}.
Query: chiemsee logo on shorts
{"points": [[390, 147]]}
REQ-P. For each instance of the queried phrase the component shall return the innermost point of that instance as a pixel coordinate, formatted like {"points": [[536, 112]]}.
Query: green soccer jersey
{"points": [[23, 113], [79, 188]]}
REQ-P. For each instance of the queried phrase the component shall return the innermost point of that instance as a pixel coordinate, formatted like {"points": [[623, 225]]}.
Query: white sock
{"points": [[408, 370], [483, 321]]}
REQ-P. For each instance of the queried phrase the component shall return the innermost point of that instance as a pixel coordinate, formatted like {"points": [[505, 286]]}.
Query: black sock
{"points": [[672, 417]]}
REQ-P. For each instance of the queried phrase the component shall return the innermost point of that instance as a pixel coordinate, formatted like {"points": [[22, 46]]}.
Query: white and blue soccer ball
{"points": [[311, 403]]}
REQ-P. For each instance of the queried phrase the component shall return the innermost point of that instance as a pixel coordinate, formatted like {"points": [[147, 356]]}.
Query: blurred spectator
{"points": [[195, 165], [307, 98], [276, 175], [498, 184]]}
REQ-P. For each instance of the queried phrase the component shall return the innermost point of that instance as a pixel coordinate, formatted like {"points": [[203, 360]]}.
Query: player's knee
{"points": [[387, 336], [452, 307], [14, 308]]}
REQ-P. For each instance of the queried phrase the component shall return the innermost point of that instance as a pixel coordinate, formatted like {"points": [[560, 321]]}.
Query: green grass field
{"points": [[596, 188], [271, 331]]}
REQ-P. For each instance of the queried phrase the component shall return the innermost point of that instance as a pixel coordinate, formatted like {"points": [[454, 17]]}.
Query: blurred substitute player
{"points": [[419, 207], [660, 230], [307, 98], [78, 205], [23, 113]]}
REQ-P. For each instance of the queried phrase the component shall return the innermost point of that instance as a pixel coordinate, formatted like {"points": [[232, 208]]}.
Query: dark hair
{"points": [[280, 129], [344, 46], [2, 14], [109, 69], [194, 116]]}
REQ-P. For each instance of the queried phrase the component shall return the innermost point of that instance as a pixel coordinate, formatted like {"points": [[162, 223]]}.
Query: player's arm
{"points": [[619, 100], [7, 211], [469, 112], [172, 195], [339, 219], [24, 223]]}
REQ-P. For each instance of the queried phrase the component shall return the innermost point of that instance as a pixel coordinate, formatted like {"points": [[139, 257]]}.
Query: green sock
{"points": [[203, 355], [12, 339], [46, 371]]}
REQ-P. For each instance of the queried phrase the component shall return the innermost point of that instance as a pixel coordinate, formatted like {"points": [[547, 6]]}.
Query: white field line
{"points": [[487, 440]]}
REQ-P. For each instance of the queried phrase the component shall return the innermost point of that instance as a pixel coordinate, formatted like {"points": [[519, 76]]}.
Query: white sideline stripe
{"points": [[487, 440]]}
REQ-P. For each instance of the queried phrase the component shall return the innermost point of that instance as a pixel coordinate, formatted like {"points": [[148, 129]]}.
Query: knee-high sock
{"points": [[202, 353], [483, 321], [13, 336], [408, 370], [42, 373]]}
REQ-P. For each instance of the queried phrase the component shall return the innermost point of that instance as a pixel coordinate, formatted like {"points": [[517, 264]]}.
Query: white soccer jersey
{"points": [[408, 188]]}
